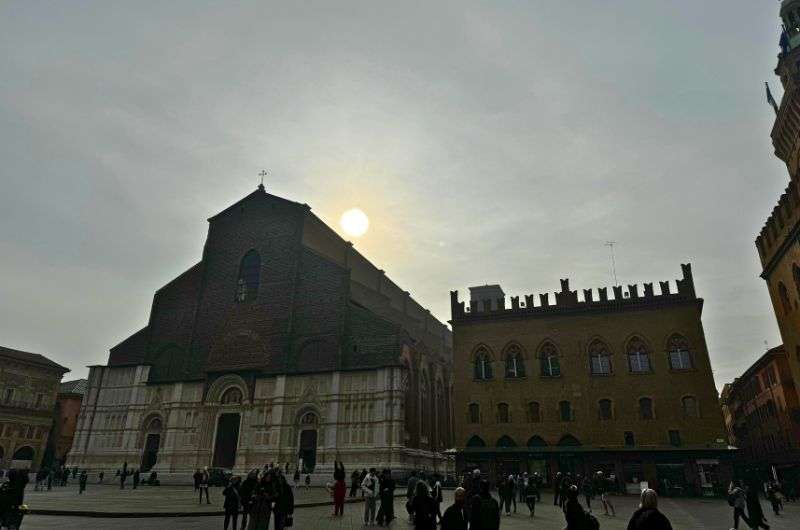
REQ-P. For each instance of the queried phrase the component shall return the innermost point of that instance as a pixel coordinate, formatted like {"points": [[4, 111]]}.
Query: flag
{"points": [[770, 99]]}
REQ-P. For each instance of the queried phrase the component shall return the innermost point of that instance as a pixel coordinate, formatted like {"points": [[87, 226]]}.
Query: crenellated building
{"points": [[616, 381], [282, 345]]}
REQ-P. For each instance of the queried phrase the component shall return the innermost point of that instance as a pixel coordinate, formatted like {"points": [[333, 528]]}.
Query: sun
{"points": [[354, 222]]}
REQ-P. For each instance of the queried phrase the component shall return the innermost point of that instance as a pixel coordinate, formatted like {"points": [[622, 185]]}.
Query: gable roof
{"points": [[32, 358], [77, 386]]}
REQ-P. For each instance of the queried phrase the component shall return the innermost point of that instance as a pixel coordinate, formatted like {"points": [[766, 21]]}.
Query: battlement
{"points": [[781, 222], [568, 300]]}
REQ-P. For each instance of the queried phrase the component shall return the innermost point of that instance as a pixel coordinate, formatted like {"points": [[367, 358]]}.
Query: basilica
{"points": [[282, 345]]}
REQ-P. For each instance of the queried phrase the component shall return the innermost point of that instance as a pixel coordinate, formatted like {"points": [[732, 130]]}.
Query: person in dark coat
{"points": [[246, 489], [12, 495], [647, 517], [506, 491], [424, 508], [574, 514], [531, 495], [386, 494], [284, 503], [484, 510], [338, 471], [203, 486], [354, 483], [455, 516], [136, 478], [261, 503], [557, 489], [754, 512], [196, 477], [232, 501], [82, 480]]}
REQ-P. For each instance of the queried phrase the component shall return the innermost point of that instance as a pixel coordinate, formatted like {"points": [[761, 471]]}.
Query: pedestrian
{"points": [[308, 481], [370, 489], [196, 477], [233, 499], [484, 510], [354, 483], [284, 503], [136, 478], [100, 476], [754, 512], [246, 490], [338, 471], [601, 487], [455, 516], [82, 482], [296, 478], [647, 517], [361, 478], [531, 496], [203, 485], [588, 492], [50, 480], [436, 496], [387, 487], [424, 508], [261, 503], [576, 517], [123, 475], [411, 489], [506, 491], [557, 489], [736, 500], [772, 496], [522, 481]]}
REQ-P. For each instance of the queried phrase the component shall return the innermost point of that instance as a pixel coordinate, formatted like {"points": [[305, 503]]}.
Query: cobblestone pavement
{"points": [[685, 514]]}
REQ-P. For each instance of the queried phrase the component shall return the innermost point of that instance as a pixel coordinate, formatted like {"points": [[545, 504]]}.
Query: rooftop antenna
{"points": [[610, 245], [263, 174]]}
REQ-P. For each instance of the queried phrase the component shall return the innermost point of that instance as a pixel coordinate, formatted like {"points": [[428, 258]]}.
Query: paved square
{"points": [[688, 514]]}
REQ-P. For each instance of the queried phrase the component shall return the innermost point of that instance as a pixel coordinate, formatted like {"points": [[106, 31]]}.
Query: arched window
{"points": [[515, 367], [23, 453], [502, 413], [689, 405], [638, 356], [645, 408], [536, 441], [599, 358], [483, 365], [548, 358], [796, 276], [679, 356], [506, 441], [249, 276], [569, 441], [605, 409], [476, 441], [565, 411], [474, 413], [232, 396], [309, 418], [534, 412], [783, 293]]}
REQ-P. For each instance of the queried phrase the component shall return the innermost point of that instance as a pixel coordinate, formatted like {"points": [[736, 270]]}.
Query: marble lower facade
{"points": [[305, 421]]}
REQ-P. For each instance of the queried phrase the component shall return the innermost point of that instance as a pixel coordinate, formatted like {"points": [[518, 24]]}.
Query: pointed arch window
{"points": [[605, 409], [506, 441], [515, 366], [565, 411], [679, 356], [599, 358], [249, 276], [689, 405], [534, 412], [638, 356], [474, 413], [502, 413], [783, 293], [646, 408], [483, 365], [548, 359], [476, 441]]}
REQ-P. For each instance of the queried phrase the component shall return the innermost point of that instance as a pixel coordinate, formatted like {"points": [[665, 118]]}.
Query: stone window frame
{"points": [[677, 343], [599, 349], [546, 353], [248, 280], [570, 411], [640, 410], [537, 418], [482, 354], [689, 414], [611, 414], [476, 419], [503, 411], [637, 346], [514, 351]]}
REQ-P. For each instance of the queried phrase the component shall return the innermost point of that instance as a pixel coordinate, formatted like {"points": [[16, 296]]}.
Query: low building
{"points": [[622, 384], [28, 387], [765, 418]]}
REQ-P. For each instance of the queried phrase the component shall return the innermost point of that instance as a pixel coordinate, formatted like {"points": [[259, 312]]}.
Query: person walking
{"points": [[436, 495], [339, 489], [261, 503], [354, 483], [601, 487], [123, 476], [574, 514], [411, 489], [370, 489], [284, 504], [484, 510], [233, 499], [647, 517], [136, 478], [100, 476], [308, 481], [387, 487], [736, 500], [506, 491], [773, 498], [424, 508], [202, 485], [531, 495], [296, 478], [754, 512], [455, 516], [557, 489], [82, 482], [588, 492], [522, 482], [246, 490]]}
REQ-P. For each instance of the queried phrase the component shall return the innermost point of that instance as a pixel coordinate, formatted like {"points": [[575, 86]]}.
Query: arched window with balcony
{"points": [[646, 408], [599, 358], [548, 360], [638, 356], [249, 276], [482, 364], [515, 365], [679, 355]]}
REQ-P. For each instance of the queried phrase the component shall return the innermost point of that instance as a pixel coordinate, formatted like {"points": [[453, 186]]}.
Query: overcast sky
{"points": [[488, 142]]}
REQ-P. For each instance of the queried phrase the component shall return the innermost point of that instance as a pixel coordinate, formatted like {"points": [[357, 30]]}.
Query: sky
{"points": [[488, 142]]}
